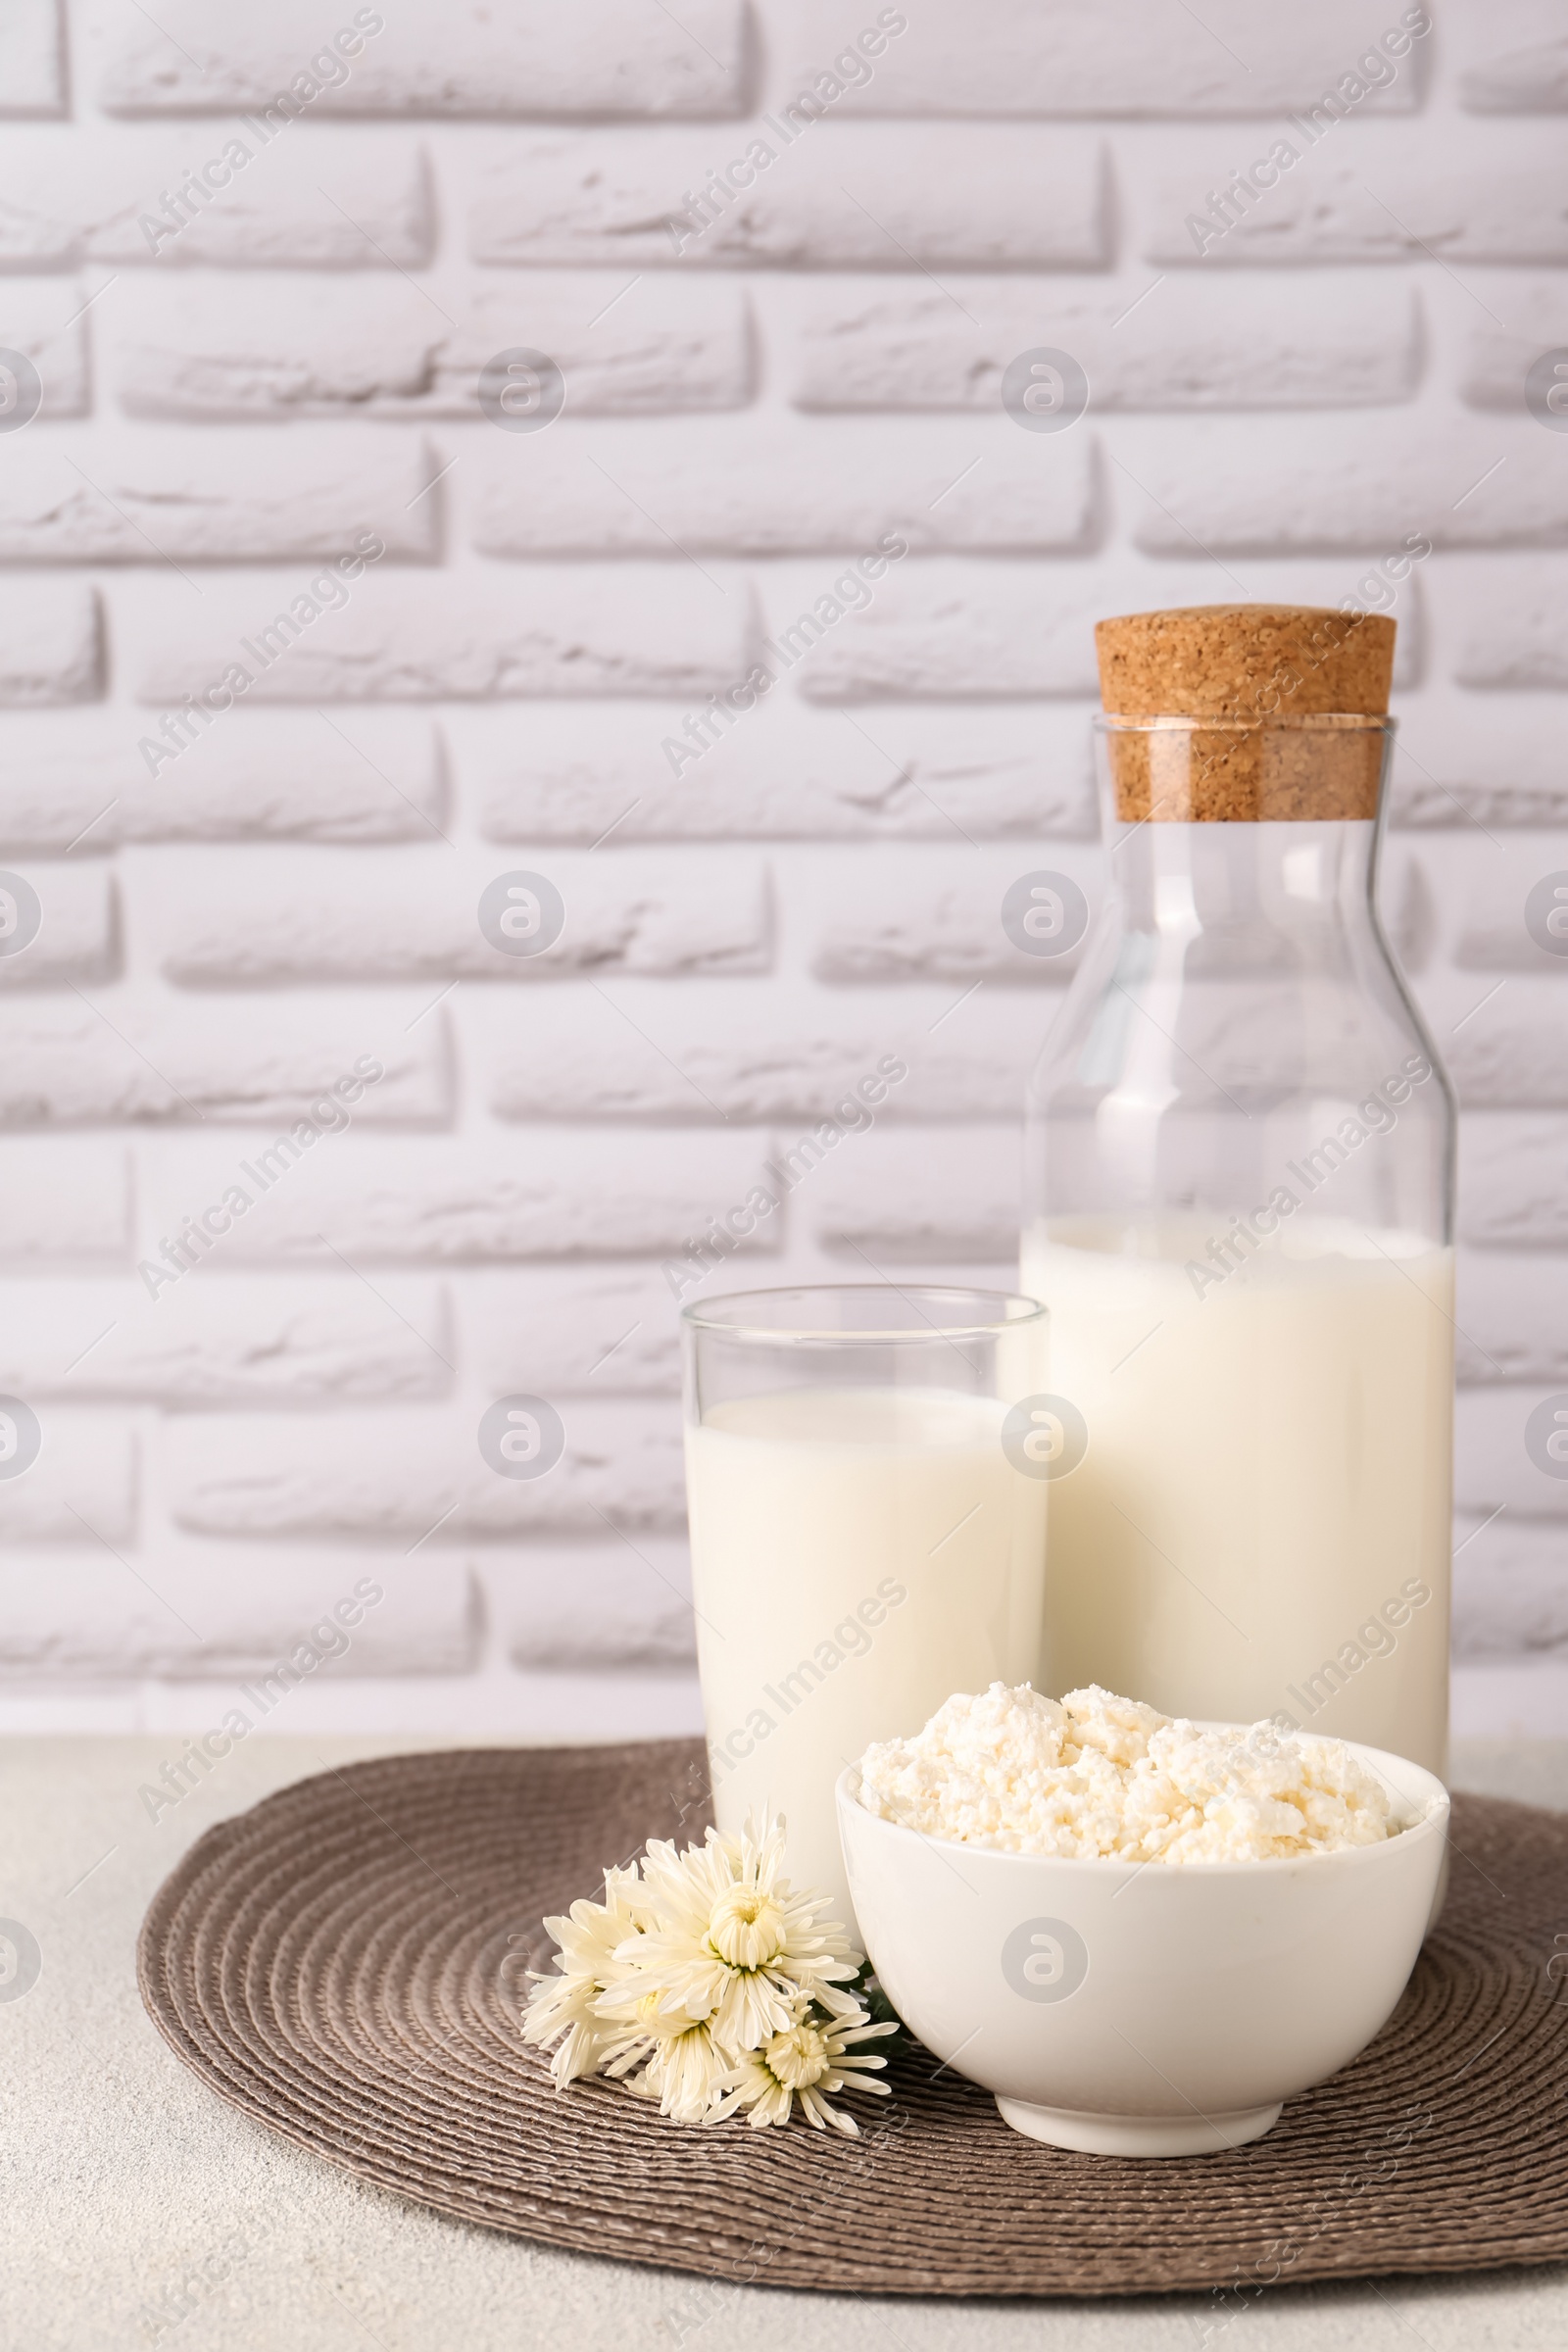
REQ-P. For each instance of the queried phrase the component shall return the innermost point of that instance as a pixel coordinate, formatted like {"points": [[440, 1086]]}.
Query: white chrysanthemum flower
{"points": [[735, 1947], [808, 2060], [705, 1981], [682, 2064], [665, 2058], [566, 2005]]}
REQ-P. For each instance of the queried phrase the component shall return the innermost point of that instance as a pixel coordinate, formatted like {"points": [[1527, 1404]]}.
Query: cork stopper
{"points": [[1293, 688]]}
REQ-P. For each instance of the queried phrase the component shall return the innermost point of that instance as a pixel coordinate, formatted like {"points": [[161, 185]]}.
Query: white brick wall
{"points": [[246, 372]]}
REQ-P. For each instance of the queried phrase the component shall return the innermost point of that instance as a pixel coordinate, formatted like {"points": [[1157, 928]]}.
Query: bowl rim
{"points": [[1430, 1794]]}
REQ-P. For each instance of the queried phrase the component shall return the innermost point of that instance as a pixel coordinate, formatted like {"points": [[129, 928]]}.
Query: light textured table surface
{"points": [[125, 2176]]}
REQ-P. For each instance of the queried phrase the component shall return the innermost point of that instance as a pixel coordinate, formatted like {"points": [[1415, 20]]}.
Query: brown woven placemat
{"points": [[347, 1962]]}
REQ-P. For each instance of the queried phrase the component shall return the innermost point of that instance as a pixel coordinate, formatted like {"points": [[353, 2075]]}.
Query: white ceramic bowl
{"points": [[1145, 2009]]}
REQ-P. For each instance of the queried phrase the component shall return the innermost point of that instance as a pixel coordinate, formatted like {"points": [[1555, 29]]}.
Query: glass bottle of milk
{"points": [[1240, 1218]]}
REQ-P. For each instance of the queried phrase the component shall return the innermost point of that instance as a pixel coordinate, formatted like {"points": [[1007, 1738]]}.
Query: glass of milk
{"points": [[862, 1542], [1240, 1215]]}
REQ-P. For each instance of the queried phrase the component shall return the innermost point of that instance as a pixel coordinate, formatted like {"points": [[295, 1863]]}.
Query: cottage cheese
{"points": [[1097, 1775]]}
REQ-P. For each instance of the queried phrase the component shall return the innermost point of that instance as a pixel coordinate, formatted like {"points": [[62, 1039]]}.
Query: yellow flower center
{"points": [[746, 1929], [797, 2058]]}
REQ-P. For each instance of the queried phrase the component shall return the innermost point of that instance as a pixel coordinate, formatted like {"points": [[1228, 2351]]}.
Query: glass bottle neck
{"points": [[1242, 887]]}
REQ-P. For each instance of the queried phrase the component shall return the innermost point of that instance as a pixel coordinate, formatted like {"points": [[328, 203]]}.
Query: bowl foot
{"points": [[1138, 2135]]}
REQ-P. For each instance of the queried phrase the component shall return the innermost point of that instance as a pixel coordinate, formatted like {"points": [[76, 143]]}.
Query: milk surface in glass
{"points": [[1260, 1523], [857, 1555]]}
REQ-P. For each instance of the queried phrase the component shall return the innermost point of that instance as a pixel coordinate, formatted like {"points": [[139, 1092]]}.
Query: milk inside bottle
{"points": [[1259, 1524]]}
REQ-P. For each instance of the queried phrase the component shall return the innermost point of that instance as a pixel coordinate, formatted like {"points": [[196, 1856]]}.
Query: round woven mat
{"points": [[347, 1963]]}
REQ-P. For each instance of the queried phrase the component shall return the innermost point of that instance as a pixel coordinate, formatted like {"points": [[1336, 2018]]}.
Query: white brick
{"points": [[803, 1061], [1507, 618], [788, 774], [77, 937], [901, 1199], [273, 775], [1508, 1052], [289, 917], [1462, 760], [1424, 802], [1086, 57], [1499, 355], [1517, 59], [594, 1609], [913, 918], [1512, 1316], [209, 1339], [530, 59], [32, 74], [1180, 344], [549, 1194], [1492, 937], [49, 644], [864, 197], [1510, 1588], [637, 630], [1479, 202], [263, 776], [38, 317], [135, 1059], [266, 347], [207, 1612], [1369, 483], [396, 1474], [316, 200], [1489, 1463], [64, 1201], [772, 488], [157, 497], [83, 1485], [569, 1332], [947, 629], [1513, 1180]]}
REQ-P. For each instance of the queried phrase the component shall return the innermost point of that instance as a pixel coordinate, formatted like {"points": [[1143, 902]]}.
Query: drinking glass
{"points": [[866, 1471]]}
